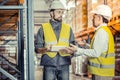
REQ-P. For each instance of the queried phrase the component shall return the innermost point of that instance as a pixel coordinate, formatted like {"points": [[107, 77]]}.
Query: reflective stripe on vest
{"points": [[105, 64], [107, 55], [50, 38], [50, 43], [63, 40], [101, 65]]}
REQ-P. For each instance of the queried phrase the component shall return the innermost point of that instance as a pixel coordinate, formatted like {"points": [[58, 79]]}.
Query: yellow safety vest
{"points": [[105, 64], [50, 38]]}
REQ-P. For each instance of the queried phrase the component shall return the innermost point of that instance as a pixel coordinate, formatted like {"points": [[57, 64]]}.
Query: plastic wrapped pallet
{"points": [[79, 65]]}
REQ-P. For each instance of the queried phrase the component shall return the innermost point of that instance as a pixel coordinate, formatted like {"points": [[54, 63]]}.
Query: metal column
{"points": [[30, 41], [21, 45]]}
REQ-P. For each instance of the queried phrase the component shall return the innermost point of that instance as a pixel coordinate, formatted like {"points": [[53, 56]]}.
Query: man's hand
{"points": [[42, 50], [69, 50], [82, 43]]}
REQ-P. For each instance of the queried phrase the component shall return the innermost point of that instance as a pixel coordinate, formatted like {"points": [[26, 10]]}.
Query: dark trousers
{"points": [[56, 73]]}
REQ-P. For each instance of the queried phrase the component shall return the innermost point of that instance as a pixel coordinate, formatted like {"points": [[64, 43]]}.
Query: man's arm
{"points": [[39, 43], [100, 45]]}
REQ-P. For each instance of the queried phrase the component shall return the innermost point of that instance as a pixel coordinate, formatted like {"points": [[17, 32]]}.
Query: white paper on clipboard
{"points": [[57, 48]]}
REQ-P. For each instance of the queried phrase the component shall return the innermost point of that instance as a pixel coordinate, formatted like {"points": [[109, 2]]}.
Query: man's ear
{"points": [[101, 18]]}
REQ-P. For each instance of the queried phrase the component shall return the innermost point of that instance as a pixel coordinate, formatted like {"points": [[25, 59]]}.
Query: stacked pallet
{"points": [[117, 52], [114, 24]]}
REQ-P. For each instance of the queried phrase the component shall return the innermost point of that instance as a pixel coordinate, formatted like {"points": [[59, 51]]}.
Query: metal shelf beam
{"points": [[12, 7]]}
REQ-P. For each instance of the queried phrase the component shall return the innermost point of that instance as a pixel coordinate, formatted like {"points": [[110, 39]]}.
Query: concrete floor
{"points": [[38, 75]]}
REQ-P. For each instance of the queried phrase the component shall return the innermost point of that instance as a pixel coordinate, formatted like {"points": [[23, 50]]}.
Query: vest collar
{"points": [[103, 24], [55, 25]]}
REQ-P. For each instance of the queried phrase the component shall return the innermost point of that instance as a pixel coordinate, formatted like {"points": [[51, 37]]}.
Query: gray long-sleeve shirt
{"points": [[58, 60]]}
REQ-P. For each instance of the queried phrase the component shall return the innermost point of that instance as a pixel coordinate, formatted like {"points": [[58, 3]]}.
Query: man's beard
{"points": [[58, 19]]}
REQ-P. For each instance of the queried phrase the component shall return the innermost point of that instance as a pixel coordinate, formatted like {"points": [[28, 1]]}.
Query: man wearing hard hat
{"points": [[101, 53], [51, 36]]}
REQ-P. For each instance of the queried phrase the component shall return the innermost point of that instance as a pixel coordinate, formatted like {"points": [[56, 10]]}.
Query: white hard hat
{"points": [[103, 10], [56, 4]]}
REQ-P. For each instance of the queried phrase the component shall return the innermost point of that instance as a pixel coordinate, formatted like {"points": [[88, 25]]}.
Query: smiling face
{"points": [[57, 14]]}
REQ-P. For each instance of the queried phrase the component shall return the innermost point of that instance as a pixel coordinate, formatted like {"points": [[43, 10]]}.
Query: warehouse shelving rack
{"points": [[16, 40]]}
